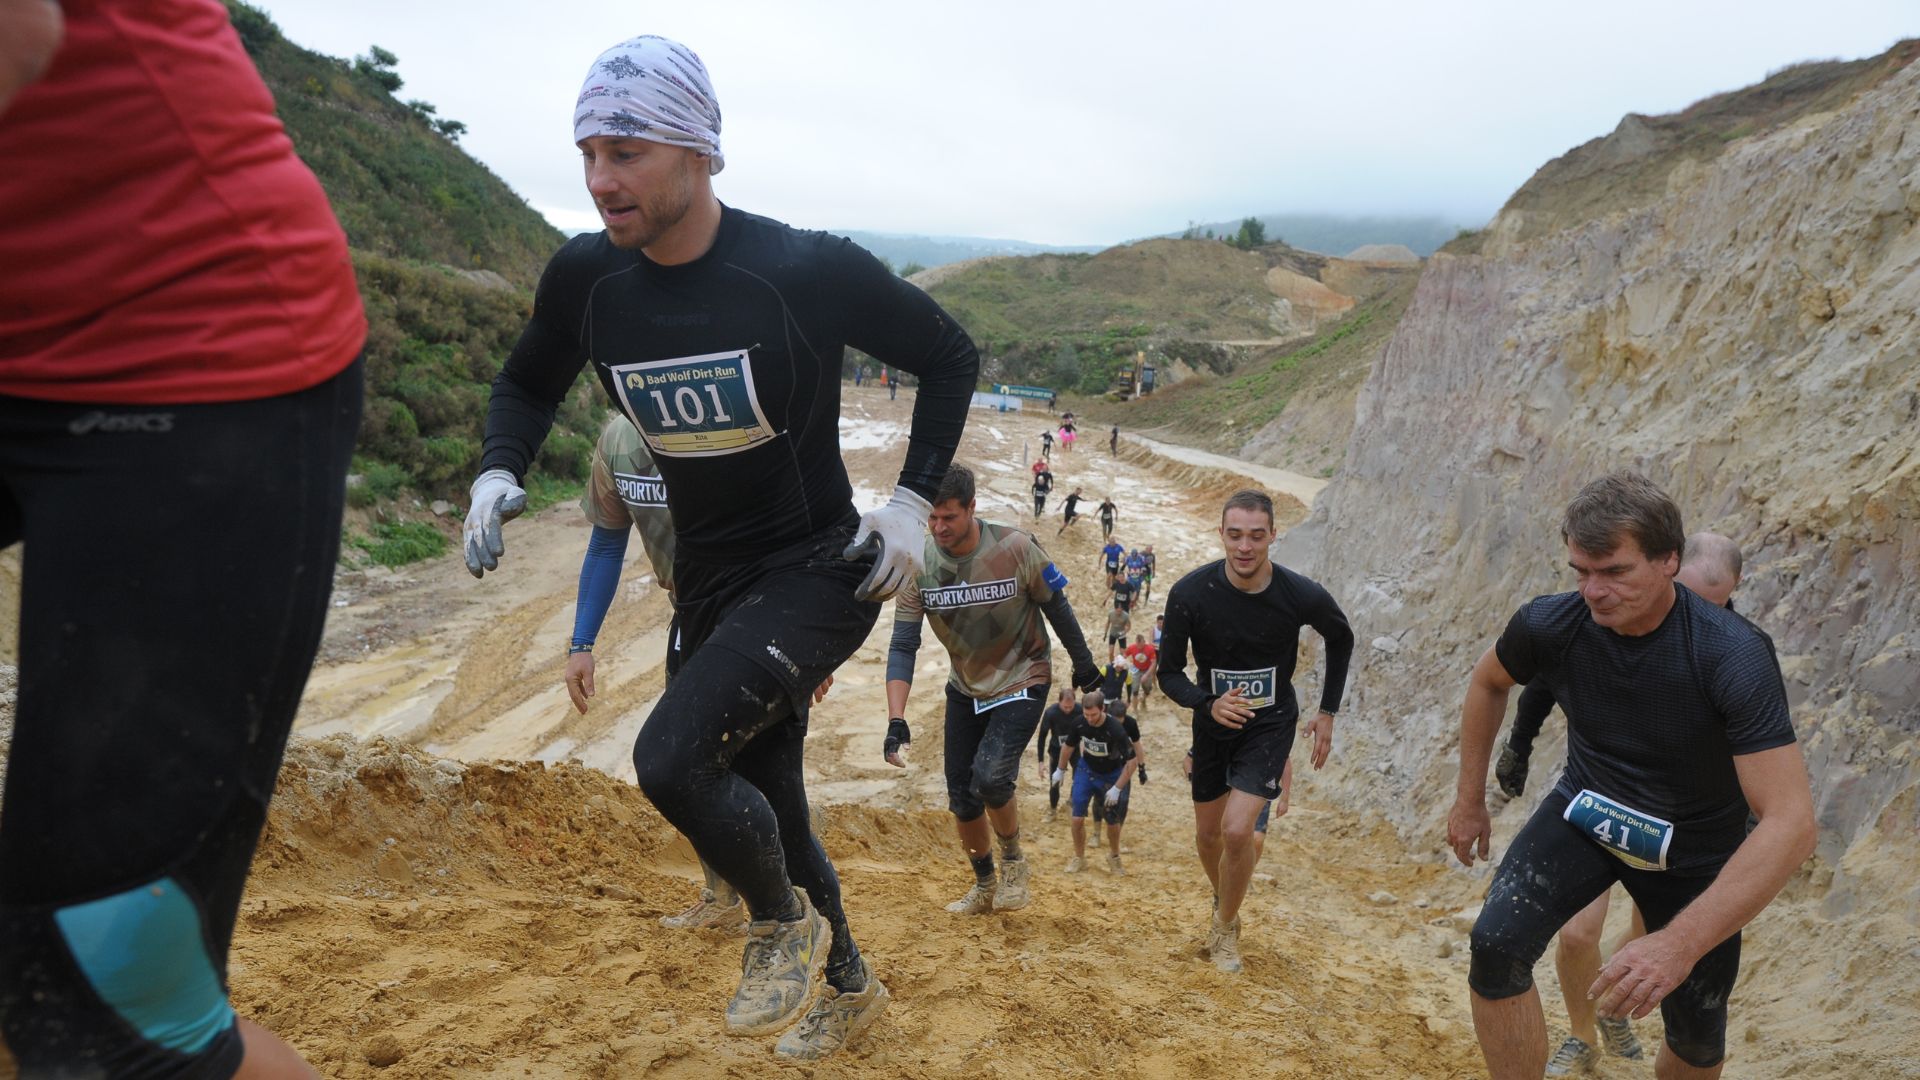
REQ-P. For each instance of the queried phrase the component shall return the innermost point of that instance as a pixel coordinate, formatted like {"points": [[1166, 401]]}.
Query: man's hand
{"points": [[820, 692], [1231, 710], [1467, 824], [898, 739], [1086, 678], [896, 536], [580, 679], [1639, 974], [1321, 728], [495, 499], [1511, 771]]}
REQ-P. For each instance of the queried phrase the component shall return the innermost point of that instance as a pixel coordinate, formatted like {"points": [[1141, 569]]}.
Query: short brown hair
{"points": [[1249, 499], [1624, 503], [956, 484]]}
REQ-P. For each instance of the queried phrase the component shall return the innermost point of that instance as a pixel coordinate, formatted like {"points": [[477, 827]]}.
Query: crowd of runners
{"points": [[717, 337]]}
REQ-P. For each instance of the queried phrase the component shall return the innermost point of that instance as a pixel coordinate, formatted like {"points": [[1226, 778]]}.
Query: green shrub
{"points": [[379, 482], [397, 543]]}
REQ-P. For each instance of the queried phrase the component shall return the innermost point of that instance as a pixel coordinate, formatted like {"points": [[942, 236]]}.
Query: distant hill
{"points": [[446, 255], [903, 249], [1334, 234]]}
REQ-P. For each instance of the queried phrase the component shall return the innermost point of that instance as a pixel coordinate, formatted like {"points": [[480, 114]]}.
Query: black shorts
{"points": [[791, 612], [1549, 874], [177, 564], [983, 749], [1249, 760]]}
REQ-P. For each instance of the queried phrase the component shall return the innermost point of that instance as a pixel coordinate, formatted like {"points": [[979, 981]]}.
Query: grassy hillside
{"points": [[1290, 406], [1067, 320], [446, 255]]}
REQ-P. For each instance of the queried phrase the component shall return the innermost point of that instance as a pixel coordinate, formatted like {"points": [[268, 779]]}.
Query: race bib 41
{"points": [[1256, 685], [1635, 838], [696, 406]]}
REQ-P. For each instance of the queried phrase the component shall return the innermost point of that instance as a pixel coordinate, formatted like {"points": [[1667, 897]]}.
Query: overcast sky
{"points": [[1089, 124]]}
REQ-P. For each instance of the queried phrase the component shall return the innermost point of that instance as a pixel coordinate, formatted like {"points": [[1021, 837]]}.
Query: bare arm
{"points": [[1647, 969], [30, 32], [1468, 825]]}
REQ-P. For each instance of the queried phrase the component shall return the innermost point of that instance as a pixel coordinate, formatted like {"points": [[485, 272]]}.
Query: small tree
{"points": [[451, 129], [1253, 233], [911, 269], [378, 65]]}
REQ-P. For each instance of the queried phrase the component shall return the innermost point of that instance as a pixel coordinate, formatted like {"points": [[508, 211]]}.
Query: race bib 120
{"points": [[1257, 685], [1635, 838], [696, 406]]}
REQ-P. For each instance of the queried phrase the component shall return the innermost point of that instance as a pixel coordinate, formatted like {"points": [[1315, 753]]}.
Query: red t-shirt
{"points": [[161, 242], [1142, 656]]}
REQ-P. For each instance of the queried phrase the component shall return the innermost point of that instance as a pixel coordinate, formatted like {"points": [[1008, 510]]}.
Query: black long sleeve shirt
{"points": [[730, 367]]}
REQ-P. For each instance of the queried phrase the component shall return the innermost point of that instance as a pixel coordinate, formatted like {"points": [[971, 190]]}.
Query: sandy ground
{"points": [[458, 878]]}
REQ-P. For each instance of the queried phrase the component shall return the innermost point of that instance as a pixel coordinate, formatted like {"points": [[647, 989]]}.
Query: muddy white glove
{"points": [[494, 498], [1113, 795], [896, 537], [1059, 775]]}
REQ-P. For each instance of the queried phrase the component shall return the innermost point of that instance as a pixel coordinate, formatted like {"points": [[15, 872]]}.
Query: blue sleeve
{"points": [[599, 577]]}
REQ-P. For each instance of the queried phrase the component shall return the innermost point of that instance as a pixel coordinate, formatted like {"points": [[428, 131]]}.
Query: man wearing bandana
{"points": [[720, 334]]}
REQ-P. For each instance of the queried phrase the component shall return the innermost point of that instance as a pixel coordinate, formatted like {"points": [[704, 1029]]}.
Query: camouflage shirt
{"points": [[985, 608], [625, 489]]}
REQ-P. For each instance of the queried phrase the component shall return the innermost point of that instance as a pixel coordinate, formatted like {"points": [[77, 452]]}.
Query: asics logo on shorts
{"points": [[948, 597], [122, 423]]}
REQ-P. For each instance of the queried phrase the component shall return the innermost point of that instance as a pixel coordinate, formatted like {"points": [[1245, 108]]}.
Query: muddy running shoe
{"points": [[1012, 893], [1223, 945], [777, 971], [978, 901], [707, 912], [1573, 1056], [1114, 867], [835, 1020], [1076, 864], [1052, 813], [1618, 1038]]}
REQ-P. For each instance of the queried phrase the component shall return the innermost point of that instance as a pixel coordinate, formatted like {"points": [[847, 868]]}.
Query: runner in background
{"points": [[1101, 755], [1046, 743], [1042, 487]]}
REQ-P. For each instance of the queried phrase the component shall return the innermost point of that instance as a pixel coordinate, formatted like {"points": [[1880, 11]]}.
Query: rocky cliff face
{"points": [[1749, 339]]}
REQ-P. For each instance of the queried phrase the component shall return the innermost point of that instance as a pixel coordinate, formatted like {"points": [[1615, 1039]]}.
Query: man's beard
{"points": [[659, 211]]}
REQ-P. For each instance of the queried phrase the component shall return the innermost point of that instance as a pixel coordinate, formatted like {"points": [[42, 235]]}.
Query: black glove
{"points": [[1142, 774], [1086, 678], [897, 735], [1511, 771]]}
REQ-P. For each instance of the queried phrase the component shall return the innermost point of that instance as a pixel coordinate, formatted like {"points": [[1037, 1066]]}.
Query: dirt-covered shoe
{"points": [[978, 901], [1012, 894], [1618, 1039], [707, 912], [1114, 867], [835, 1020], [1076, 864], [777, 971], [1223, 945], [1573, 1056]]}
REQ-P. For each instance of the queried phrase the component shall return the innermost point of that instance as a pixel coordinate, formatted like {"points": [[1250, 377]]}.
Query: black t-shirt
{"points": [[1053, 726], [1106, 511], [1071, 500], [730, 367], [1042, 483], [1251, 641], [1106, 747], [1655, 721]]}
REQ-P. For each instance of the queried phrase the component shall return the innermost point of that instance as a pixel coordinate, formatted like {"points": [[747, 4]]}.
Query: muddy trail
{"points": [[459, 879]]}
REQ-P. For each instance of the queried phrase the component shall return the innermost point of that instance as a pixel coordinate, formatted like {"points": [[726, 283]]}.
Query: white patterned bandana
{"points": [[652, 88]]}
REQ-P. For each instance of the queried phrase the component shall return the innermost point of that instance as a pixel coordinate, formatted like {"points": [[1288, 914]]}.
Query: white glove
{"points": [[896, 535], [1113, 795], [1059, 776], [495, 499]]}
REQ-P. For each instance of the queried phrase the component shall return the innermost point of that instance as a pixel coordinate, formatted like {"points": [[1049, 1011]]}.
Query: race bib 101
{"points": [[1635, 838], [696, 406], [1257, 685]]}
